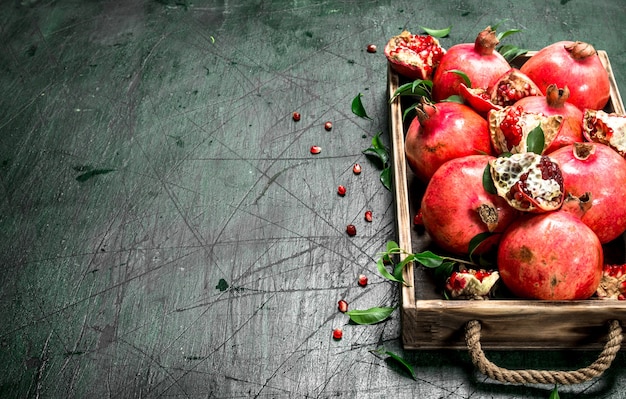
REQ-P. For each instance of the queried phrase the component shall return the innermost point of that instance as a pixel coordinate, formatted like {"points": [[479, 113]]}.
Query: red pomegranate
{"points": [[414, 56], [599, 170], [553, 104], [455, 206], [575, 65], [482, 64], [552, 256], [441, 132]]}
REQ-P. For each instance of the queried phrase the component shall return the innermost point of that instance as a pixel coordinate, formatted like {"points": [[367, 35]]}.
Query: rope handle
{"points": [[488, 368]]}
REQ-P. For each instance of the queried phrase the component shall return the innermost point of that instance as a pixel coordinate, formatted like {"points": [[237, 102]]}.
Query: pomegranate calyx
{"points": [[583, 151], [489, 216], [556, 97], [471, 284], [580, 50], [577, 206], [486, 41]]}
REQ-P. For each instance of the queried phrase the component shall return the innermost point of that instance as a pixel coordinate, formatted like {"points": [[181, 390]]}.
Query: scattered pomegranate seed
{"points": [[362, 280], [368, 216], [356, 169], [418, 219], [337, 334], [316, 149], [341, 190], [296, 116], [343, 306], [328, 126], [351, 230], [371, 48]]}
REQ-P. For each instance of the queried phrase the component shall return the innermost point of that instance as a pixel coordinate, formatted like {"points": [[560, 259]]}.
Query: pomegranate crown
{"points": [[486, 41]]}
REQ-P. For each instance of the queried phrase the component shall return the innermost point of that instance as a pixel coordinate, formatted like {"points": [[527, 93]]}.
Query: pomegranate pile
{"points": [[523, 168]]}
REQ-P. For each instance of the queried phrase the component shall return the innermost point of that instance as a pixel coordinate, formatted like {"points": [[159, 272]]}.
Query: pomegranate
{"points": [[509, 88], [552, 256], [455, 206], [479, 61], [441, 132], [575, 65], [510, 127], [471, 284], [605, 128], [529, 182], [596, 169], [613, 282], [553, 104], [414, 56]]}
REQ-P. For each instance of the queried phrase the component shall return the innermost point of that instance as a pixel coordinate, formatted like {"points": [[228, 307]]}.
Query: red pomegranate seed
{"points": [[362, 280], [371, 48], [418, 219], [368, 216], [351, 230], [316, 149], [337, 334], [328, 126], [296, 116], [341, 190], [356, 169], [343, 306]]}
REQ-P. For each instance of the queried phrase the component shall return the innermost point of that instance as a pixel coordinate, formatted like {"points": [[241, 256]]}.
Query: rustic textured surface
{"points": [[165, 231]]}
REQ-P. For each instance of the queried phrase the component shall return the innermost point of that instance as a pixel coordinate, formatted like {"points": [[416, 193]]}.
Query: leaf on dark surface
{"points": [[399, 360], [92, 173], [222, 285], [370, 316], [439, 33], [357, 107]]}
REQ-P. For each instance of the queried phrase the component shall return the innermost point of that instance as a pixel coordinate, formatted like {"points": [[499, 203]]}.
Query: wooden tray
{"points": [[431, 322]]}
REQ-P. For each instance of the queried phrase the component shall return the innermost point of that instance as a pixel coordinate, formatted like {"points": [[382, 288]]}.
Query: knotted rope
{"points": [[488, 368]]}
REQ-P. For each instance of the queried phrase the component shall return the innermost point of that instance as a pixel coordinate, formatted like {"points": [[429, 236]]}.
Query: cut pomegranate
{"points": [[471, 284], [414, 56], [613, 282], [605, 128], [528, 182]]}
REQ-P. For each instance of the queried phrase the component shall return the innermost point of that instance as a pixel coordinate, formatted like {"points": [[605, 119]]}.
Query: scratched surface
{"points": [[164, 230]]}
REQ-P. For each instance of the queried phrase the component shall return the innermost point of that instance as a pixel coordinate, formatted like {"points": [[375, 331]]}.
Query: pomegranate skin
{"points": [[479, 61], [550, 256], [451, 203], [575, 65], [602, 173], [440, 133]]}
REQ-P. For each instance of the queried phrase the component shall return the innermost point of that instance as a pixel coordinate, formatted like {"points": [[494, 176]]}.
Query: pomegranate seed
{"points": [[328, 126], [356, 169], [418, 219], [362, 280], [371, 48], [351, 230], [341, 190], [343, 306], [316, 149], [368, 216], [337, 334], [296, 116]]}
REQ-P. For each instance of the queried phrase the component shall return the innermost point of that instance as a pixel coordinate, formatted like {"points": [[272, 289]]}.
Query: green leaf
{"points": [[392, 246], [477, 240], [378, 150], [418, 87], [222, 285], [427, 258], [555, 393], [408, 111], [506, 33], [402, 362], [455, 98], [536, 140], [437, 32], [463, 75], [385, 273], [444, 271], [488, 183], [510, 52], [385, 178], [357, 107], [370, 316], [93, 172]]}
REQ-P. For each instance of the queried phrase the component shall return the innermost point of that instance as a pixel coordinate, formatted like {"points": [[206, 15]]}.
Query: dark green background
{"points": [[147, 152]]}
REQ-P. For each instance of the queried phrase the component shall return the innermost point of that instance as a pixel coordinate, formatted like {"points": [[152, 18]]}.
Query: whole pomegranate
{"points": [[441, 132], [599, 170], [575, 65], [552, 104], [482, 64], [455, 206], [551, 256], [414, 56]]}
